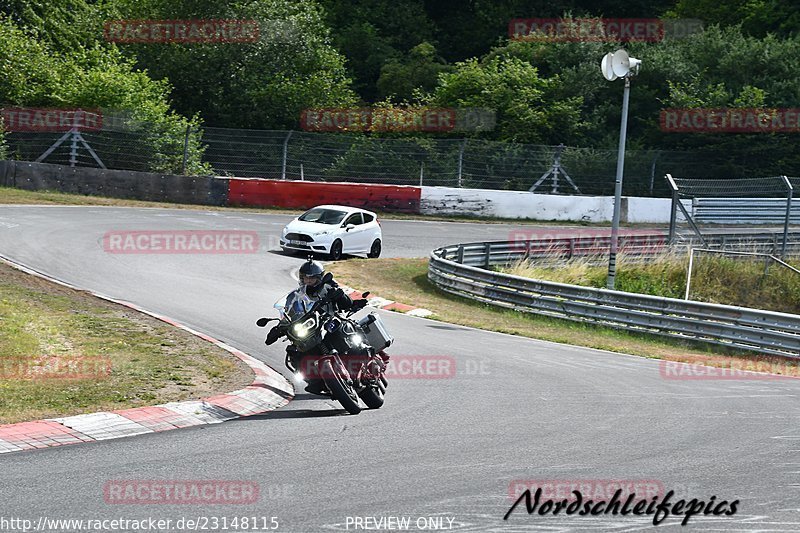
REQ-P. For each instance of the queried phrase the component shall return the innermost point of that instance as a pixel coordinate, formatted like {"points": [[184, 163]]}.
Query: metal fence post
{"points": [[673, 212], [653, 171], [461, 160], [421, 169], [186, 149], [285, 154], [689, 273], [789, 194]]}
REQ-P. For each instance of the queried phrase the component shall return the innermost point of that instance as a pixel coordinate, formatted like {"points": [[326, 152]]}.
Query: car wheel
{"points": [[375, 250], [336, 250]]}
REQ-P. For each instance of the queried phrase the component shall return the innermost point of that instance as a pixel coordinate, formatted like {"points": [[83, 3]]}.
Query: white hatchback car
{"points": [[334, 230]]}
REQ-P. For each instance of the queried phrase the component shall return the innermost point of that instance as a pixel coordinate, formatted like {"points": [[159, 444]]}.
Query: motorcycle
{"points": [[346, 354]]}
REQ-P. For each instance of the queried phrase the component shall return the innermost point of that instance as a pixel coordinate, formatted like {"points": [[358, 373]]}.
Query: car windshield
{"points": [[296, 304], [323, 216]]}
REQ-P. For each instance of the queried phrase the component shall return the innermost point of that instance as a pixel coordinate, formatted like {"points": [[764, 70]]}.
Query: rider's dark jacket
{"points": [[321, 290]]}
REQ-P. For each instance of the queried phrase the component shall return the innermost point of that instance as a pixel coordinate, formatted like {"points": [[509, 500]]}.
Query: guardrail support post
{"points": [[460, 254], [487, 254]]}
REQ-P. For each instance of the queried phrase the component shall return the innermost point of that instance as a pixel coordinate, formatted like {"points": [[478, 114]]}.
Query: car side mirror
{"points": [[349, 227]]}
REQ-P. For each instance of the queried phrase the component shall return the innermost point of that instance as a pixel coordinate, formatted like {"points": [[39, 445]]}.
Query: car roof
{"points": [[346, 208]]}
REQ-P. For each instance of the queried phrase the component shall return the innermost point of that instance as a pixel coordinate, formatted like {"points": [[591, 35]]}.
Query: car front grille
{"points": [[298, 237]]}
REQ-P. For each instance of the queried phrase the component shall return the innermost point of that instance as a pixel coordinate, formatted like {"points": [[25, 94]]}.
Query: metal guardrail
{"points": [[455, 269], [743, 211], [637, 246]]}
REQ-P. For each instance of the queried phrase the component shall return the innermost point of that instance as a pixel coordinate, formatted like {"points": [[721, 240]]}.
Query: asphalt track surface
{"points": [[516, 409]]}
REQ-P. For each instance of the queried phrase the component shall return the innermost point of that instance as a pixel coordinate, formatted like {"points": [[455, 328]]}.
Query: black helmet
{"points": [[312, 268]]}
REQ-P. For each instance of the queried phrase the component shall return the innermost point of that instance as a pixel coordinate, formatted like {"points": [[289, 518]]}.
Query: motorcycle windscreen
{"points": [[296, 304]]}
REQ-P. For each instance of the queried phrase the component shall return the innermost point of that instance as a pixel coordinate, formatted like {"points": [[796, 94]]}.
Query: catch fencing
{"points": [[431, 160], [461, 269]]}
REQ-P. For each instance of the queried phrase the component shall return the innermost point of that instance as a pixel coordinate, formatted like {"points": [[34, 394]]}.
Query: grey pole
{"points": [[623, 130], [73, 151], [186, 149], [790, 193], [285, 153], [461, 160]]}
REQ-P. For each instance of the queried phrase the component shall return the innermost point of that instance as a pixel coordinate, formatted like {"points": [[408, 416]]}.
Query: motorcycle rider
{"points": [[311, 274], [311, 279]]}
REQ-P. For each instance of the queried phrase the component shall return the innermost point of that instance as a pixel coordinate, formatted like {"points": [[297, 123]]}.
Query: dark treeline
{"points": [[443, 53]]}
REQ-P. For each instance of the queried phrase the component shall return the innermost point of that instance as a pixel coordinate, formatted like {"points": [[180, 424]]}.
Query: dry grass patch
{"points": [[65, 352]]}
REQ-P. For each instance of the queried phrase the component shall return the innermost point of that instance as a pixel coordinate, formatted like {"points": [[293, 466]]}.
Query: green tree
{"points": [[264, 84], [373, 33], [527, 106], [756, 17], [39, 73], [420, 72]]}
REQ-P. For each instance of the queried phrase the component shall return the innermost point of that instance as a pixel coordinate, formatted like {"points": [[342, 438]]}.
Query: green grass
{"points": [[716, 279], [63, 352]]}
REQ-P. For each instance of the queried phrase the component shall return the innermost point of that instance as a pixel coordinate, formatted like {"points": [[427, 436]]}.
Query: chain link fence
{"points": [[428, 160]]}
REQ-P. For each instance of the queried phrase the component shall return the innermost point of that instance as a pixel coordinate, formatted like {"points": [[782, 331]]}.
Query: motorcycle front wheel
{"points": [[340, 389], [372, 397]]}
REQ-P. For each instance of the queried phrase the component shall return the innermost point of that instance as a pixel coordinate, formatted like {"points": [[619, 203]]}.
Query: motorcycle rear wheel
{"points": [[340, 389]]}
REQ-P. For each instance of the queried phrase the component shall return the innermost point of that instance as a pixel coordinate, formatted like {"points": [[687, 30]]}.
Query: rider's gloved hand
{"points": [[336, 294]]}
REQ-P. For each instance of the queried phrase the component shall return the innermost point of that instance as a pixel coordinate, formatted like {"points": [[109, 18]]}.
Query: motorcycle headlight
{"points": [[356, 339], [302, 330]]}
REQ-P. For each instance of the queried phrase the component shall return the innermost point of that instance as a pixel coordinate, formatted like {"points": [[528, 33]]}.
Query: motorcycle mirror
{"points": [[327, 277], [261, 322], [273, 335], [364, 294]]}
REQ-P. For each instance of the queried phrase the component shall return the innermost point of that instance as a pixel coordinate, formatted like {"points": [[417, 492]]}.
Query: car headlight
{"points": [[321, 233]]}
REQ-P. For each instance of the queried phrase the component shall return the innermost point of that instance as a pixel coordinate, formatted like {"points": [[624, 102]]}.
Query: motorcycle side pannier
{"points": [[377, 335]]}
